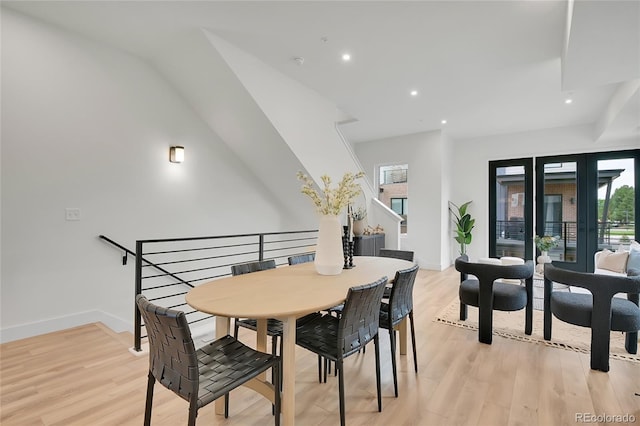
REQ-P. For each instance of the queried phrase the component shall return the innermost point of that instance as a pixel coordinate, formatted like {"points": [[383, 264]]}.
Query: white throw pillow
{"points": [[613, 261]]}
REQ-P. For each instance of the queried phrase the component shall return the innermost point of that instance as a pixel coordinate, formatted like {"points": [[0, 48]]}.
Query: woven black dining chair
{"points": [[395, 254], [337, 338], [198, 376], [399, 307], [274, 326], [301, 258]]}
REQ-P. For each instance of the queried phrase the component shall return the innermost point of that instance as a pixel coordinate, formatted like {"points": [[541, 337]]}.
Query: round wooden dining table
{"points": [[286, 293]]}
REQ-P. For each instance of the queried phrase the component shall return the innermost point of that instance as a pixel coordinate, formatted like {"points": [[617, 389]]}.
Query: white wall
{"points": [[305, 120], [427, 186], [89, 127], [471, 165], [447, 244]]}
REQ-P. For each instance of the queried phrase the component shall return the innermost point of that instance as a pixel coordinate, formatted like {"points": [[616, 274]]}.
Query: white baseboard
{"points": [[50, 325]]}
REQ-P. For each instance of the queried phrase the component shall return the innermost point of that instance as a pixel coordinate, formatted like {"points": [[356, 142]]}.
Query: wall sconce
{"points": [[176, 154]]}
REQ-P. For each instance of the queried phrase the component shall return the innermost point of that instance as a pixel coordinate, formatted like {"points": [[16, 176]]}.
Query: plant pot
{"points": [[542, 259], [329, 255], [358, 227]]}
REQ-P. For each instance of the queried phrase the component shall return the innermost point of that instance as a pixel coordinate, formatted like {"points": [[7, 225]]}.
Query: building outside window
{"points": [[393, 190]]}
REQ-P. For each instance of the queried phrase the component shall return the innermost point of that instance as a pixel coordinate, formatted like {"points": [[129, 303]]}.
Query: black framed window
{"points": [[399, 205]]}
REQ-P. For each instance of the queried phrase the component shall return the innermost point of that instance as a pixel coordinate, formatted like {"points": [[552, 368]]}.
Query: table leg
{"points": [[222, 329], [402, 341], [289, 371]]}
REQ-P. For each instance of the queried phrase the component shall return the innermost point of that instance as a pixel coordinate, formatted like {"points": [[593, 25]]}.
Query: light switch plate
{"points": [[72, 213]]}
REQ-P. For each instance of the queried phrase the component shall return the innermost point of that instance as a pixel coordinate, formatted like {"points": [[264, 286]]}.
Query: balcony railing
{"points": [[510, 238], [394, 176]]}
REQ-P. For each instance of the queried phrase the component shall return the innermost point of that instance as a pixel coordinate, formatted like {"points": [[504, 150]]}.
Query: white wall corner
{"points": [[388, 219]]}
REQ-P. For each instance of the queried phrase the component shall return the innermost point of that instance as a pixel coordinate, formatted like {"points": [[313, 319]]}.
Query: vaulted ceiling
{"points": [[486, 67]]}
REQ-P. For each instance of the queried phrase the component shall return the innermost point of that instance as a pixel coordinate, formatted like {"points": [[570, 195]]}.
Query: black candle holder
{"points": [[347, 250], [351, 265]]}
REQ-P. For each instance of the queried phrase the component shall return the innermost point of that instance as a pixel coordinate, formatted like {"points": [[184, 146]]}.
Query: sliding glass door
{"points": [[589, 201]]}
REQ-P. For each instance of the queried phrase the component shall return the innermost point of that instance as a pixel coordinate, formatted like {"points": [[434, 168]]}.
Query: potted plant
{"points": [[359, 215], [329, 202], [544, 244], [464, 225]]}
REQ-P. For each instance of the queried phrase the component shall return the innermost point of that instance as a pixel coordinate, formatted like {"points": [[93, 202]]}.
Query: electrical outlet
{"points": [[72, 213]]}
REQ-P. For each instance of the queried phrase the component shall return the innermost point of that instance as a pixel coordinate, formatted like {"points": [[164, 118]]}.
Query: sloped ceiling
{"points": [[487, 67]]}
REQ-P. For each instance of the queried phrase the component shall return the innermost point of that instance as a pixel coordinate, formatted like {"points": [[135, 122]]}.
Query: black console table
{"points": [[368, 245]]}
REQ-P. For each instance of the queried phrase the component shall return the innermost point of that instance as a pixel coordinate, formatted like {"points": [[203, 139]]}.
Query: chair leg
{"points": [[151, 381], [378, 381], [463, 312], [631, 342], [277, 373], [339, 368], [327, 366], [193, 412], [226, 405], [528, 325], [319, 369], [600, 343], [392, 345], [413, 342], [274, 342], [548, 288], [485, 316]]}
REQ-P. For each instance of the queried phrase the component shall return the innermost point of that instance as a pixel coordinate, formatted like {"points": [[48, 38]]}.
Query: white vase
{"points": [[542, 259], [329, 255], [358, 227]]}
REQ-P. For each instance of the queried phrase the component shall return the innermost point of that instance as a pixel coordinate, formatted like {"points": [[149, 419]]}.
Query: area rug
{"points": [[510, 325]]}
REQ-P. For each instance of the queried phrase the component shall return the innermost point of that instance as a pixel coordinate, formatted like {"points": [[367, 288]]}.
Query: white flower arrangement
{"points": [[546, 242], [359, 214], [332, 200]]}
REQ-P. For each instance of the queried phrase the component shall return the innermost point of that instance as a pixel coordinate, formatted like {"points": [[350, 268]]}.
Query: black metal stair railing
{"points": [[166, 269]]}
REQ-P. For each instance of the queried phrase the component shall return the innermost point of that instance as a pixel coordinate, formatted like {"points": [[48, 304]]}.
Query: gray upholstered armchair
{"points": [[488, 294], [600, 310]]}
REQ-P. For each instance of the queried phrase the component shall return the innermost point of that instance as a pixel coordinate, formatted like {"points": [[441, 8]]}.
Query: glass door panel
{"points": [[559, 211], [616, 203], [590, 201], [511, 214]]}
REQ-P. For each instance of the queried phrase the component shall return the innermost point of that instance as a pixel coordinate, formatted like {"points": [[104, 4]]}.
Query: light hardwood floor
{"points": [[86, 376]]}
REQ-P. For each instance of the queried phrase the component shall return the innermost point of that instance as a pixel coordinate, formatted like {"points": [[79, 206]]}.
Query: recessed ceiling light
{"points": [[414, 93], [568, 101], [443, 121], [346, 57]]}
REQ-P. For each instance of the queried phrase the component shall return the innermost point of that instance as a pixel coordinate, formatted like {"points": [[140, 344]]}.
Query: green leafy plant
{"points": [[464, 224]]}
